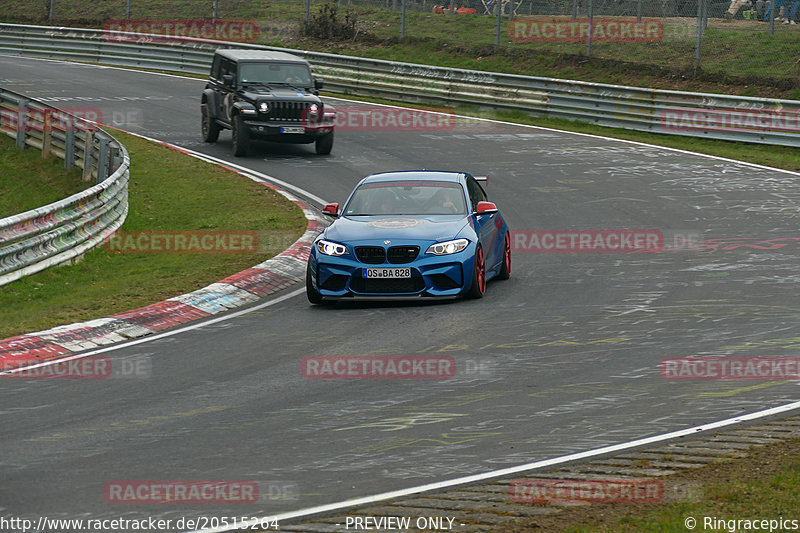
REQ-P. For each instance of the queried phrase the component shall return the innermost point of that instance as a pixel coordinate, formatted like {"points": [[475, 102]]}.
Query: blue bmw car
{"points": [[407, 235]]}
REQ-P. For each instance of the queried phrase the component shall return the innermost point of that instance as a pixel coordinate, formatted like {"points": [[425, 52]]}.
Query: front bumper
{"points": [[431, 277], [290, 133]]}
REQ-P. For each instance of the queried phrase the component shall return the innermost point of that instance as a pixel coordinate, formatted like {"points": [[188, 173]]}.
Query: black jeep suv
{"points": [[260, 94]]}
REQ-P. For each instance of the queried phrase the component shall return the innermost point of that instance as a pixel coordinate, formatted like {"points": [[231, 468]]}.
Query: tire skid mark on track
{"points": [[686, 315]]}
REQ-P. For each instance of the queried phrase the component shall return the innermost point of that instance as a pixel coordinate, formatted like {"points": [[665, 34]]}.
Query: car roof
{"points": [[416, 175], [259, 55]]}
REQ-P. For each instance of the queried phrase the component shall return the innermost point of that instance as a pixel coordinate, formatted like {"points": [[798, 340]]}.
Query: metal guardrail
{"points": [[64, 230], [714, 116]]}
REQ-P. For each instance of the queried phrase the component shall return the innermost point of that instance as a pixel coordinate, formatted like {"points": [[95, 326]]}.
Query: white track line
{"points": [[119, 346], [486, 475], [507, 471]]}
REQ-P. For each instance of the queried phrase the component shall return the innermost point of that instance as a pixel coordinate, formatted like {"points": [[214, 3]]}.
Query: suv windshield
{"points": [[275, 73]]}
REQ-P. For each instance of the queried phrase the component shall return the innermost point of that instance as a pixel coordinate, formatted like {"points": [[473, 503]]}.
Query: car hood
{"points": [[260, 91], [435, 228]]}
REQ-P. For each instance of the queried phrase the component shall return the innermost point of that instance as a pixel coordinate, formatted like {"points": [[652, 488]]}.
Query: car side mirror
{"points": [[227, 80], [486, 208], [319, 83], [332, 210]]}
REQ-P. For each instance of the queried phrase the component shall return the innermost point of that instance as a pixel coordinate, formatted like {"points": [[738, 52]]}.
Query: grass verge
{"points": [[763, 485], [27, 181], [169, 191]]}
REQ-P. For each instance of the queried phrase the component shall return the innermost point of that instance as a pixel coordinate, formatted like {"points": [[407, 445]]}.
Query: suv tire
{"points": [[241, 137], [208, 125], [324, 144]]}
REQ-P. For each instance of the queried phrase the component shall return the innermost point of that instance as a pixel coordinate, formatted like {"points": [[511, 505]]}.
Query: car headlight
{"points": [[331, 248], [313, 109], [263, 107], [447, 247]]}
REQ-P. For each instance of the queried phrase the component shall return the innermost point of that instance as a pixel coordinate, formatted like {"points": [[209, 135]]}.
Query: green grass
{"points": [[764, 485], [27, 181], [739, 57], [168, 191]]}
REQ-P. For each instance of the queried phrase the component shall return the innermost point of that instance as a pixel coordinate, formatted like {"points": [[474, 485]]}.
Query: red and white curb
{"points": [[242, 288]]}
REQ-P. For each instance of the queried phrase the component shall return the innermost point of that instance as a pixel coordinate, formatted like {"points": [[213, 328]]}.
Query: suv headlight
{"points": [[263, 107], [313, 110], [331, 248], [447, 247]]}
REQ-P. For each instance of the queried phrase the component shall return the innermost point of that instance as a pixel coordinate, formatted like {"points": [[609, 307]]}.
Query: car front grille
{"points": [[397, 255], [286, 111], [402, 254], [373, 255], [388, 286]]}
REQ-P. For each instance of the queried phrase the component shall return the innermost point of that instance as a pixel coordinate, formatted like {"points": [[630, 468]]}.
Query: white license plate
{"points": [[293, 129], [386, 273]]}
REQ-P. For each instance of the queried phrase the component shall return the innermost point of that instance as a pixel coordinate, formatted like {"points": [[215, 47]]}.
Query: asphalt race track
{"points": [[563, 357]]}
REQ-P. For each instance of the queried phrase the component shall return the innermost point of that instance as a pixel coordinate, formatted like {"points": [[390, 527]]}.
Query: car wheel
{"points": [[478, 276], [505, 268], [324, 144], [313, 294], [241, 137], [208, 126]]}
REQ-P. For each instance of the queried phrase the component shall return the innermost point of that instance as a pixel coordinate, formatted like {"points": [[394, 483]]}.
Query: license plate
{"points": [[293, 129], [386, 273]]}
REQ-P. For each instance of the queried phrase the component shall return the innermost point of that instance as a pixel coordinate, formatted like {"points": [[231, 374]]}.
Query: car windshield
{"points": [[275, 73], [408, 198]]}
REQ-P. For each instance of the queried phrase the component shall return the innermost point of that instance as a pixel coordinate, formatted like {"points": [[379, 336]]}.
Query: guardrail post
{"points": [[88, 147], [52, 10], [116, 159], [639, 11], [22, 123], [128, 9], [47, 133], [69, 148], [102, 159]]}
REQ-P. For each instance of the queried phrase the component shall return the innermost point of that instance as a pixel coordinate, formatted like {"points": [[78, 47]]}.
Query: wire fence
{"points": [[744, 39]]}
